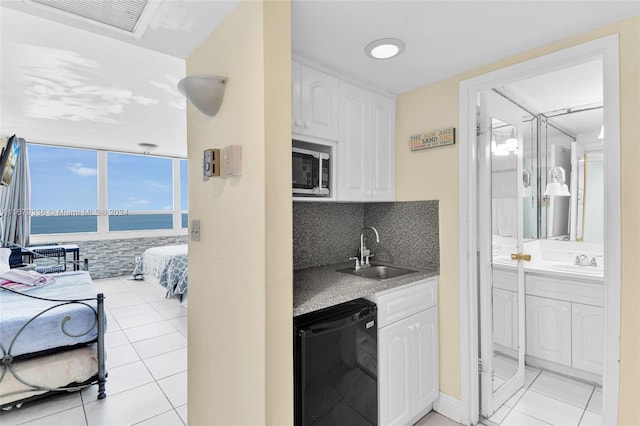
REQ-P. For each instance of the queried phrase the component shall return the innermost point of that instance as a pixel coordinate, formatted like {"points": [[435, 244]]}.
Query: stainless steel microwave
{"points": [[310, 174]]}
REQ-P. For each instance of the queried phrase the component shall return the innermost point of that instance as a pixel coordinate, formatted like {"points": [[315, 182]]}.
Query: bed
{"points": [[51, 339], [166, 265]]}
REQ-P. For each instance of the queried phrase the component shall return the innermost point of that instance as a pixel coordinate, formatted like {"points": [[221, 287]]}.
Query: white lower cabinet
{"points": [[549, 329], [588, 337], [407, 353], [565, 322]]}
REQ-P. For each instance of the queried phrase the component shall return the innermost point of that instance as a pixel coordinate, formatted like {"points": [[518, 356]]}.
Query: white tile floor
{"points": [[550, 399], [146, 344]]}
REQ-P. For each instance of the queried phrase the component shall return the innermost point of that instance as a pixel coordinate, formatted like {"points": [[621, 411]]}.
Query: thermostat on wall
{"points": [[211, 163]]}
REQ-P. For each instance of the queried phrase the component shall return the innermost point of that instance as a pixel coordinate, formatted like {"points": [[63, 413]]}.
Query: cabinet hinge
{"points": [[481, 366]]}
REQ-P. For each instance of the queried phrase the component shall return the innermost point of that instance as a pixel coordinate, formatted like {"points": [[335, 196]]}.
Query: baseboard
{"points": [[448, 406]]}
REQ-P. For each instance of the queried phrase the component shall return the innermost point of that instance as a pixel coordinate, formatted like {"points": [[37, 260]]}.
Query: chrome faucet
{"points": [[583, 260], [364, 252]]}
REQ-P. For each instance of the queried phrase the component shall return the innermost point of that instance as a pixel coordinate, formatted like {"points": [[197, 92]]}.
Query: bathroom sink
{"points": [[578, 269], [378, 272]]}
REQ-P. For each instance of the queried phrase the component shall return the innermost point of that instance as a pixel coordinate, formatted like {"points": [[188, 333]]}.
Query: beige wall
{"points": [[240, 274], [421, 175]]}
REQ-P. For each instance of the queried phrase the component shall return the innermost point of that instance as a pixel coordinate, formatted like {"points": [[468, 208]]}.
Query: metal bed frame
{"points": [[7, 360]]}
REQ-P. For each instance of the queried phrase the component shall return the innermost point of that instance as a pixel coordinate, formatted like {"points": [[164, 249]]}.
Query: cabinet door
{"points": [[297, 124], [319, 104], [548, 327], [503, 317], [382, 148], [514, 320], [425, 353], [395, 373], [353, 146], [588, 337]]}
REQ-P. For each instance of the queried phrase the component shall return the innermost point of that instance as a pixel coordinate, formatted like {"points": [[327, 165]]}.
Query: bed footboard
{"points": [[17, 387]]}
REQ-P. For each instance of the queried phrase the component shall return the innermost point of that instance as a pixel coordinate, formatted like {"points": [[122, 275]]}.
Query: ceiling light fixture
{"points": [[205, 92], [385, 48]]}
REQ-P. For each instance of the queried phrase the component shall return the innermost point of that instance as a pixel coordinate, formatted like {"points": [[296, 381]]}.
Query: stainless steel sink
{"points": [[377, 272]]}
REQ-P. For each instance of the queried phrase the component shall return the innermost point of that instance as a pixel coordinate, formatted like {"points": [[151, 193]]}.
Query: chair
{"points": [[50, 260]]}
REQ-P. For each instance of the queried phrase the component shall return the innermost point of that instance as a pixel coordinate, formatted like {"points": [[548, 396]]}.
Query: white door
{"points": [[500, 229]]}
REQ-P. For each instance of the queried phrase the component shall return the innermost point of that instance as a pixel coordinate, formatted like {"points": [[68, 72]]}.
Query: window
{"points": [[137, 191], [64, 189], [140, 192], [184, 193]]}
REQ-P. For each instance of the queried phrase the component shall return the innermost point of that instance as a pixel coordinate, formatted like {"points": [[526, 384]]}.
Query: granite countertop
{"points": [[322, 286]]}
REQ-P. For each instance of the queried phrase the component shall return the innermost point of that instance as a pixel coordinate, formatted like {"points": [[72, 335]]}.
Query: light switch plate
{"points": [[231, 160]]}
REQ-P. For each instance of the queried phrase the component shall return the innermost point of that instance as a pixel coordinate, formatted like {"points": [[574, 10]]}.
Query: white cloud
{"points": [[80, 170], [142, 100], [134, 200]]}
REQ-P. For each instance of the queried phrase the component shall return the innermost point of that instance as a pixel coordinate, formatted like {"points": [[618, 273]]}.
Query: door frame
{"points": [[606, 49]]}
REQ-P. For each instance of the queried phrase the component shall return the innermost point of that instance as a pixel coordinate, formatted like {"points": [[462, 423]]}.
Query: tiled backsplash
{"points": [[326, 233]]}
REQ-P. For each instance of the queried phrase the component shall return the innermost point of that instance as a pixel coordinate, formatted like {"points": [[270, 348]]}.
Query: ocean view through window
{"points": [[140, 192], [63, 180]]}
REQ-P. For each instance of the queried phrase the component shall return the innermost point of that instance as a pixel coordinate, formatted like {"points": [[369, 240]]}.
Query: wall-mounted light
{"points": [[511, 142], [556, 186], [205, 92], [385, 48], [147, 147]]}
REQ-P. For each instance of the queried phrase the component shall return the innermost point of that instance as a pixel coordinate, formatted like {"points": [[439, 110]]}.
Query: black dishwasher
{"points": [[335, 366]]}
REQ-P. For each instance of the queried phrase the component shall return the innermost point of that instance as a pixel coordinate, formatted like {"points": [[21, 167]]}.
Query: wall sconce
{"points": [[205, 92], [147, 147], [556, 186]]}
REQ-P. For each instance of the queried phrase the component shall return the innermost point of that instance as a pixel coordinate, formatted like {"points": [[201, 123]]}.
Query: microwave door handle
{"points": [[322, 157], [320, 172]]}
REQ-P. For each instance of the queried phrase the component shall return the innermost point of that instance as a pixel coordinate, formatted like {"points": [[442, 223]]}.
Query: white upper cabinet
{"points": [[314, 105], [366, 145]]}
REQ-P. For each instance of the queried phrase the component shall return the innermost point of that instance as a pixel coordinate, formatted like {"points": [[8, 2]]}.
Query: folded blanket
{"points": [[16, 279]]}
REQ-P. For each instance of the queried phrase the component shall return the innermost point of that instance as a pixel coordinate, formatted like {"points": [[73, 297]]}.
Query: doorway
{"points": [[473, 261]]}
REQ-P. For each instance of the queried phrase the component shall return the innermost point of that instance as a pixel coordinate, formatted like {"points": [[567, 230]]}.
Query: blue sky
{"points": [[65, 178]]}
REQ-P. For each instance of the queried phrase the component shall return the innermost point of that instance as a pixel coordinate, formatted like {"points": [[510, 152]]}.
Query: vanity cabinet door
{"points": [[502, 317], [588, 337], [395, 373], [549, 329]]}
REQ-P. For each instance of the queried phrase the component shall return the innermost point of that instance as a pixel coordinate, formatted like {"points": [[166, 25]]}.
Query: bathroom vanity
{"points": [[564, 319]]}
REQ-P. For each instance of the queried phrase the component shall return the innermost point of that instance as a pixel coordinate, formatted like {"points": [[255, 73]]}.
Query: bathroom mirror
{"points": [[562, 131], [577, 216]]}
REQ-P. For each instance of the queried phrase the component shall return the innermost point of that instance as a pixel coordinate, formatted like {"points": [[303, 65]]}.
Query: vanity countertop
{"points": [[322, 286], [544, 267]]}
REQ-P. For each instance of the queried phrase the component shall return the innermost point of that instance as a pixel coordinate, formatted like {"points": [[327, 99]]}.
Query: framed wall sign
{"points": [[433, 139]]}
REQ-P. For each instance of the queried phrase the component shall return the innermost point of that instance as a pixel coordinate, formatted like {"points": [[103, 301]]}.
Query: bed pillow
{"points": [[4, 259]]}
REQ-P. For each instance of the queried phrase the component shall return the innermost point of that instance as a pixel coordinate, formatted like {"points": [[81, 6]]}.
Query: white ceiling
{"points": [[68, 82]]}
